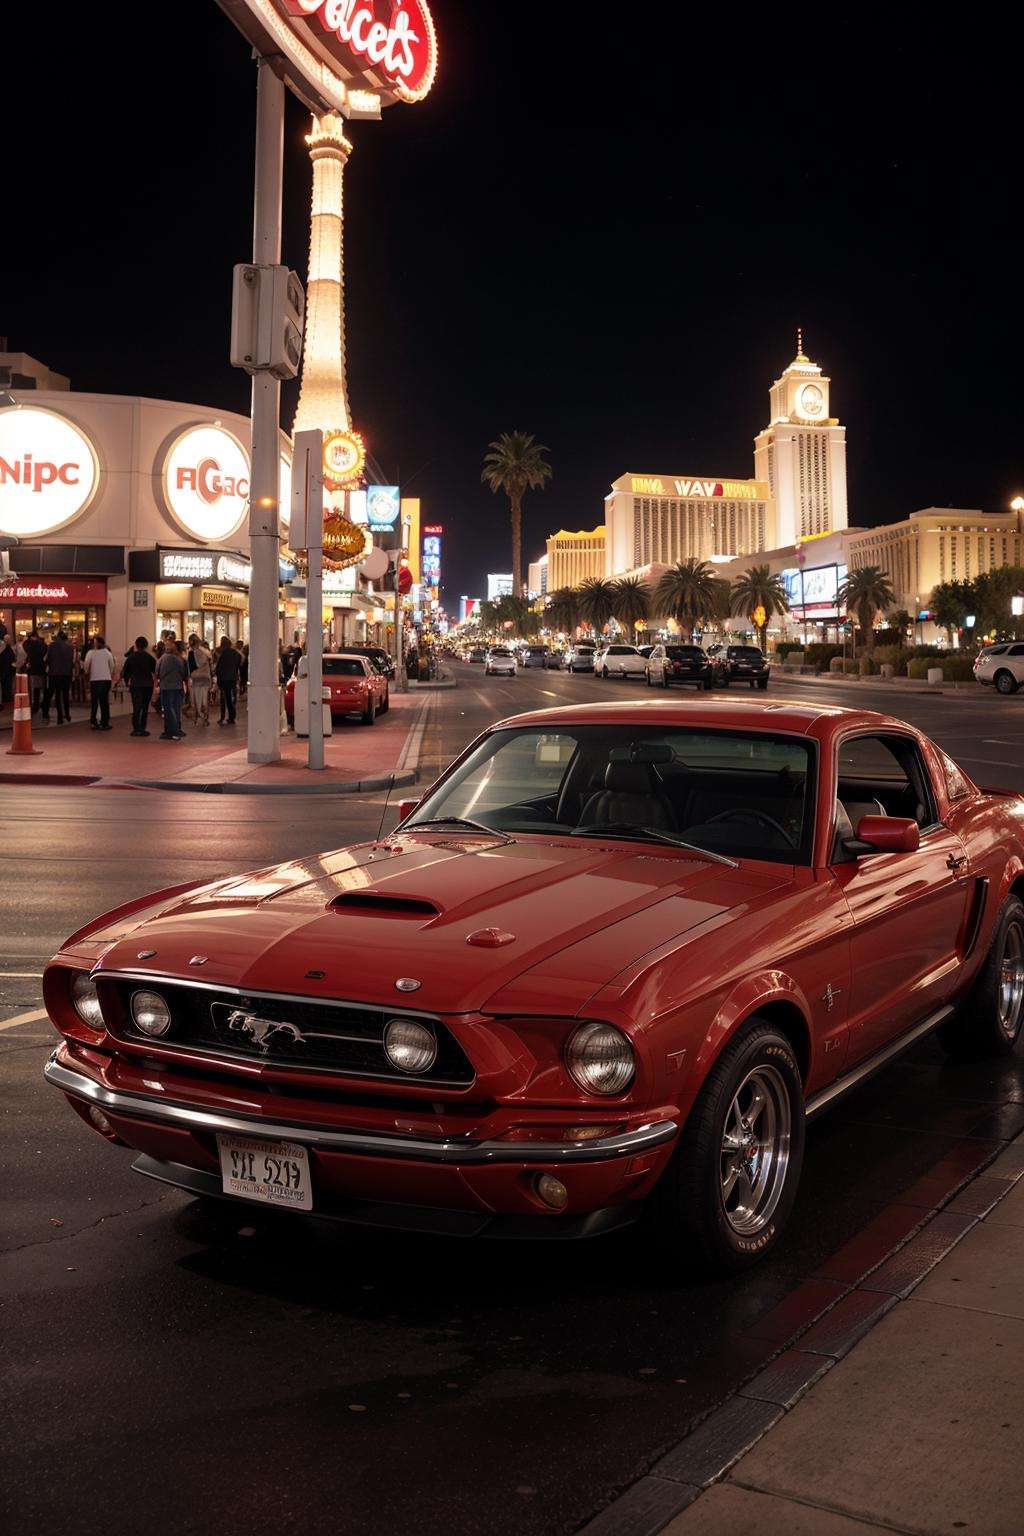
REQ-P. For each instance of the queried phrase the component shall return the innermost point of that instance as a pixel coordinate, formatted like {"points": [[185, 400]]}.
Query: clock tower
{"points": [[802, 453]]}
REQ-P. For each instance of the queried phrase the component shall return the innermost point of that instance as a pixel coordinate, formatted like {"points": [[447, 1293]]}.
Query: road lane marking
{"points": [[6, 975], [550, 693], [992, 762], [32, 1017]]}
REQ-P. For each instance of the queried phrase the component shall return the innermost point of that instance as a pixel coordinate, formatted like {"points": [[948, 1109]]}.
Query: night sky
{"points": [[602, 231]]}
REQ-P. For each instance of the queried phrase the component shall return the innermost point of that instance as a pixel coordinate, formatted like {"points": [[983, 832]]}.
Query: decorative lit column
{"points": [[323, 393]]}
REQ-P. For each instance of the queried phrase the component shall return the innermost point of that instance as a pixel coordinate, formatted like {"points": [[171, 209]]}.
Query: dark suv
{"points": [[679, 664], [741, 664], [378, 655]]}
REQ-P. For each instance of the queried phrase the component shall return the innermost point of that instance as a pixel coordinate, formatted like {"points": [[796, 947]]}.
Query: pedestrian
{"points": [[172, 678], [138, 672], [243, 673], [228, 666], [19, 653], [60, 661], [35, 666], [98, 667], [8, 667], [201, 678]]}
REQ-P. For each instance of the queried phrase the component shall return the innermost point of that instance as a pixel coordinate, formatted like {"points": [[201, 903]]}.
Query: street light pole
{"points": [[264, 739]]}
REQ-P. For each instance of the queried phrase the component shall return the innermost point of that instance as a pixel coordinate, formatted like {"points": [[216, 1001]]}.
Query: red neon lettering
{"points": [[10, 472], [186, 479], [208, 485], [402, 48]]}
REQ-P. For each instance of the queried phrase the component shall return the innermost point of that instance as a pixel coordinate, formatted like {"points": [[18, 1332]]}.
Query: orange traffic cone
{"points": [[22, 746]]}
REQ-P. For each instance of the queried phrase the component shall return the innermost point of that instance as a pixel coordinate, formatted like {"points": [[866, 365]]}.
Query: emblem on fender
{"points": [[261, 1031], [407, 984]]}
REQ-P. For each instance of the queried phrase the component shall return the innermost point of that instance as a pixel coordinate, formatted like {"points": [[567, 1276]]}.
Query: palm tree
{"points": [[597, 601], [632, 601], [759, 595], [563, 609], [690, 593], [515, 464], [867, 591]]}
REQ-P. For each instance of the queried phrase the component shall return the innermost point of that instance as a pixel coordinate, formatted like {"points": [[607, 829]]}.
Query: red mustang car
{"points": [[359, 686], [611, 964]]}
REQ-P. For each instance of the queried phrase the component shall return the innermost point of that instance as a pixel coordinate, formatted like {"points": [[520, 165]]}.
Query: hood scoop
{"points": [[372, 904]]}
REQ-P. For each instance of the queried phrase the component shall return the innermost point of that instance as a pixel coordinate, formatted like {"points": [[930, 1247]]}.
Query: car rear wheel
{"points": [[989, 1020], [725, 1198], [1005, 681], [762, 683], [604, 673], [650, 679], [370, 713]]}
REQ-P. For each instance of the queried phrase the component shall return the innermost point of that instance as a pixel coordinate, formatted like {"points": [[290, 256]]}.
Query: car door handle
{"points": [[956, 862]]}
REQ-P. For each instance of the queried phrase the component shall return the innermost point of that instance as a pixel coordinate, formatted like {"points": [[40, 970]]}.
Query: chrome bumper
{"points": [[359, 1143]]}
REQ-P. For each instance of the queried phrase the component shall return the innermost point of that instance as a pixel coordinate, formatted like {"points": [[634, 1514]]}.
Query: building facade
{"points": [[801, 454], [537, 577], [659, 519], [574, 557], [499, 584], [936, 545]]}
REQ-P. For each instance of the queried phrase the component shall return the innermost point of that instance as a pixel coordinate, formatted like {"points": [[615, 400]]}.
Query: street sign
{"points": [[307, 490]]}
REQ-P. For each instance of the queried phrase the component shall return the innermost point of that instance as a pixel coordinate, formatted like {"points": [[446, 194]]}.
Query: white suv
{"points": [[1001, 666], [500, 660], [620, 661]]}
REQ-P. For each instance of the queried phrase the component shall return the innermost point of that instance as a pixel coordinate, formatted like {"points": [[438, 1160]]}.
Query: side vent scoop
{"points": [[369, 903]]}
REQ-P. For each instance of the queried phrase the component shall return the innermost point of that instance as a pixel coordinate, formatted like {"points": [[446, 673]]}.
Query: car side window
{"points": [[1017, 650], [884, 776]]}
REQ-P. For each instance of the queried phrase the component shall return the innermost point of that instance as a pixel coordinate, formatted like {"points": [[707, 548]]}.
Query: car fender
{"points": [[751, 995]]}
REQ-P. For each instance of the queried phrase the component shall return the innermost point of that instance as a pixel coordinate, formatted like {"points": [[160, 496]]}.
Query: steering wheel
{"points": [[741, 814]]}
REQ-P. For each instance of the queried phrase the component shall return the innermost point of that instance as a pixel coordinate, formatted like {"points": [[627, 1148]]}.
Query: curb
{"points": [[70, 779], [345, 787], [443, 682], [678, 1477]]}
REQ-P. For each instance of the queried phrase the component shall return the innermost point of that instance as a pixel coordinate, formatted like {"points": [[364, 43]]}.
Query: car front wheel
{"points": [[725, 1198], [1005, 682], [989, 1019]]}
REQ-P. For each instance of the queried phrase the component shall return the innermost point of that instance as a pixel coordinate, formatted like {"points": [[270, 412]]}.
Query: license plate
{"points": [[274, 1172]]}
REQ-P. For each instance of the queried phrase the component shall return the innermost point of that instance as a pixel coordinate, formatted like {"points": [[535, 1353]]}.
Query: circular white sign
{"points": [[49, 472], [206, 482], [375, 564]]}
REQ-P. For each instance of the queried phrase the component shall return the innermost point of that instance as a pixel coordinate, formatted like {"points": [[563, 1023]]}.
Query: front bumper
{"points": [[449, 1183]]}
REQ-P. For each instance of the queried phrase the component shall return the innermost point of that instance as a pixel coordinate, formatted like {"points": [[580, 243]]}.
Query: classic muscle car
{"points": [[611, 964]]}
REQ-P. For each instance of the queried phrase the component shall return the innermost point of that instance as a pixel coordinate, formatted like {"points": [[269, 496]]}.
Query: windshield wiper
{"points": [[456, 821], [654, 835]]}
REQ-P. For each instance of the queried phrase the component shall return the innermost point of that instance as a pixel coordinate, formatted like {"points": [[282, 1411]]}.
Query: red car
{"points": [[611, 964], [358, 687]]}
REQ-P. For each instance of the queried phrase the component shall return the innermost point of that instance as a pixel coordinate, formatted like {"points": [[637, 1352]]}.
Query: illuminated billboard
{"points": [[430, 566], [814, 593]]}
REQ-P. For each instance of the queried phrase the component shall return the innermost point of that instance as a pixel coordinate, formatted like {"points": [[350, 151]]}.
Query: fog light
{"points": [[150, 1013], [100, 1120], [86, 1000], [551, 1190], [410, 1046]]}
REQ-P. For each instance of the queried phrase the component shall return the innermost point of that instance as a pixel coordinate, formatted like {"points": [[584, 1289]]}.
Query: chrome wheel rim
{"points": [[755, 1151], [1011, 980]]}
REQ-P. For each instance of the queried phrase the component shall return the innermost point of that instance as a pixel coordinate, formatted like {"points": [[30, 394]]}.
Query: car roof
{"points": [[799, 717]]}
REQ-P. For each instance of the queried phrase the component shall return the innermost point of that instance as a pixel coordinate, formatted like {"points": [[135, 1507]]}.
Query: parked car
{"points": [[553, 661], [645, 651], [613, 961], [535, 656], [1001, 666], [478, 653], [619, 661], [357, 688], [382, 659], [500, 660], [741, 664], [580, 658], [679, 664]]}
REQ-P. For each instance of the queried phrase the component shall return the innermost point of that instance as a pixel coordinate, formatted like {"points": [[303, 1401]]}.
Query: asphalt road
{"points": [[167, 1375]]}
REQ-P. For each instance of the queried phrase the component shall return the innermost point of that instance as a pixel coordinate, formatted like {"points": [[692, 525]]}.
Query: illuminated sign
{"points": [[700, 490], [51, 589], [383, 504], [814, 594], [235, 601], [344, 457], [49, 472], [430, 564], [205, 482]]}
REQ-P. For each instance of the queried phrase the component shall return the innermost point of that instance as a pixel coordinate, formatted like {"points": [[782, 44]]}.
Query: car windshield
{"points": [[744, 794], [745, 652], [343, 666], [684, 653]]}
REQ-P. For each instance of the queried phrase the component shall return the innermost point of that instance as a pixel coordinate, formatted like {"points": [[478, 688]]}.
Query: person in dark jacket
{"points": [[226, 669], [35, 666], [60, 661], [138, 672], [8, 667]]}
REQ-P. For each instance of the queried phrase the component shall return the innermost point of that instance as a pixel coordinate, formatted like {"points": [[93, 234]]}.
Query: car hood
{"points": [[463, 917]]}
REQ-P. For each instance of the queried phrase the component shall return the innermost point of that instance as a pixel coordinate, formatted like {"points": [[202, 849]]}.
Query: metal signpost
{"points": [[307, 532]]}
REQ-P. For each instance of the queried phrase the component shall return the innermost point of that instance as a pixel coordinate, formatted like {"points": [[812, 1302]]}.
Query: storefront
{"points": [[51, 603]]}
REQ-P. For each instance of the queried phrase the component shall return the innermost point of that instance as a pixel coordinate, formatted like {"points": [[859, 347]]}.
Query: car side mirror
{"points": [[886, 834], [405, 809]]}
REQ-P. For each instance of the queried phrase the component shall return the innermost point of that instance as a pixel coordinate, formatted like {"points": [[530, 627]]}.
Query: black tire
{"points": [[604, 673], [664, 680], [977, 1030], [708, 684], [723, 682], [650, 679], [687, 1211], [371, 713], [1005, 682], [762, 683]]}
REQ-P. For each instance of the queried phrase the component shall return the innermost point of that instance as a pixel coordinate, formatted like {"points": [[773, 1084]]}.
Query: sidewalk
{"points": [[898, 1411], [894, 685], [358, 757]]}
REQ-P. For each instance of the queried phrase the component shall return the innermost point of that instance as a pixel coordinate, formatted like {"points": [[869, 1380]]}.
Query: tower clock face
{"points": [[810, 400]]}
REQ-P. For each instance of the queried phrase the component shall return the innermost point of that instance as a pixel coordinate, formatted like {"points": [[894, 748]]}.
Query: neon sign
{"points": [[403, 48]]}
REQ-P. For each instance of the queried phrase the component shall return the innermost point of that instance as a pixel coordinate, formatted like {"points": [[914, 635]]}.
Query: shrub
{"points": [[785, 646], [957, 669], [868, 666], [914, 652], [794, 658], [818, 655], [918, 666], [894, 656]]}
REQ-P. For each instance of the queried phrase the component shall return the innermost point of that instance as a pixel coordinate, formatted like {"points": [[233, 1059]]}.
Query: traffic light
{"points": [[268, 307]]}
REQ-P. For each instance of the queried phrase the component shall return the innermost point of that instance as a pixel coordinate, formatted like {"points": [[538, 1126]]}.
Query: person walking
{"points": [[35, 666], [8, 667], [172, 680], [138, 672], [201, 678], [98, 666], [228, 666], [60, 661]]}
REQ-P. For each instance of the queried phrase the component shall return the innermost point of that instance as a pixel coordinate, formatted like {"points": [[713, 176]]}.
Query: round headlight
{"points": [[409, 1046], [150, 1013], [86, 1000], [600, 1058]]}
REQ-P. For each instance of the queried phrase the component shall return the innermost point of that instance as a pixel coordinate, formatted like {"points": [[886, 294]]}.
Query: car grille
{"points": [[287, 1032]]}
